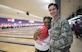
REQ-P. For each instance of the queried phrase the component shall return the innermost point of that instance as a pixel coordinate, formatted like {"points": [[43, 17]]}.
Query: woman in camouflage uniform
{"points": [[60, 32]]}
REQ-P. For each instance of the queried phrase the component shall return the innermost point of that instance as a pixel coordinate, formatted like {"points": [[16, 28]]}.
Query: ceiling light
{"points": [[47, 1], [52, 1], [44, 1], [18, 11], [6, 7]]}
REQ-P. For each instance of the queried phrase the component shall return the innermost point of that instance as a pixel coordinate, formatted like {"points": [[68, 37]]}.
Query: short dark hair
{"points": [[53, 4], [47, 17]]}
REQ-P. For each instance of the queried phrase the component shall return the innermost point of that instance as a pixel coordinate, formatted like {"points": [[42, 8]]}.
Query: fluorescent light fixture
{"points": [[19, 11], [48, 1], [52, 1], [6, 7], [44, 1], [3, 6]]}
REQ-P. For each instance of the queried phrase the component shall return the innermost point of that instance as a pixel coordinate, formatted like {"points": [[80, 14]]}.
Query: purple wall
{"points": [[16, 21]]}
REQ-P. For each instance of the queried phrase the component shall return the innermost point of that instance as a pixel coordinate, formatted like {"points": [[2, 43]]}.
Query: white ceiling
{"points": [[69, 6], [38, 8]]}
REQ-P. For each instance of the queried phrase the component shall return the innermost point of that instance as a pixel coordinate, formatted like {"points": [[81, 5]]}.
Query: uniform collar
{"points": [[56, 19]]}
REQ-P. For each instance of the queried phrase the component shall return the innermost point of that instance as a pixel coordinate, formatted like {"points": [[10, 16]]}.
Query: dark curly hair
{"points": [[47, 17]]}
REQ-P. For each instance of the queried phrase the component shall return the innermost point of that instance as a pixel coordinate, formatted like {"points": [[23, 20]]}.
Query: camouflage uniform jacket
{"points": [[61, 35]]}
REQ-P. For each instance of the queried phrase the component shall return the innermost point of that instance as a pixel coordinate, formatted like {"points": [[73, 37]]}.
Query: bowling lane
{"points": [[21, 40], [24, 31], [17, 40], [15, 47]]}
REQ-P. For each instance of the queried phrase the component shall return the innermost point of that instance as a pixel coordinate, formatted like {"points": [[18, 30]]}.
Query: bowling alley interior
{"points": [[19, 20]]}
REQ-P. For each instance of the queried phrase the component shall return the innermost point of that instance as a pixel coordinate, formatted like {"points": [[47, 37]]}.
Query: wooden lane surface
{"points": [[31, 41], [15, 47]]}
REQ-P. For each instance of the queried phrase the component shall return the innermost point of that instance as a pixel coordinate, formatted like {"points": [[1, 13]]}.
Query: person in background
{"points": [[77, 29], [60, 31], [42, 45], [81, 27]]}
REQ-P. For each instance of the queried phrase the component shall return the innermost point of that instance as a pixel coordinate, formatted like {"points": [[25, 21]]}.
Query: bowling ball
{"points": [[44, 32]]}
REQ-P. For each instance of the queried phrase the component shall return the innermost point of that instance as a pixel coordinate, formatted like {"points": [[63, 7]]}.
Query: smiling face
{"points": [[53, 11], [47, 23]]}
